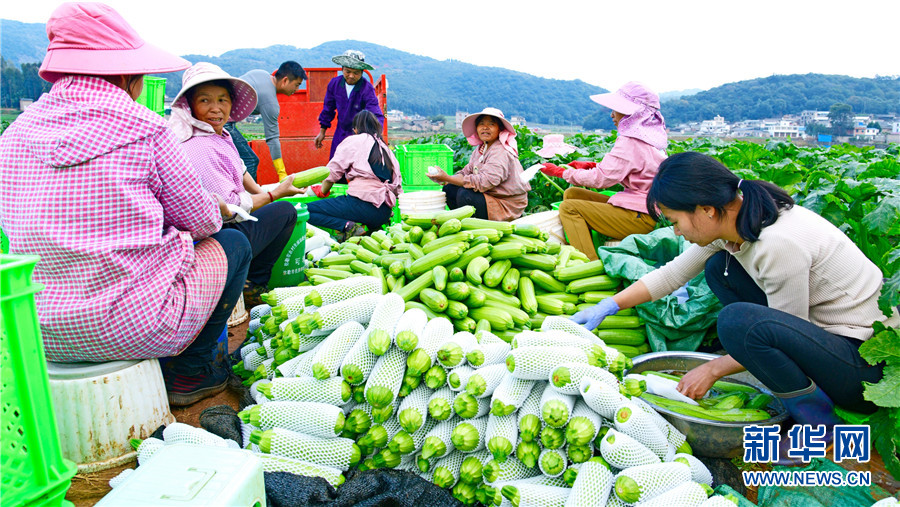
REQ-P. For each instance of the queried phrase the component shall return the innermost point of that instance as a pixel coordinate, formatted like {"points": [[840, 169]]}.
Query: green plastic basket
{"points": [[154, 94], [34, 470], [415, 159]]}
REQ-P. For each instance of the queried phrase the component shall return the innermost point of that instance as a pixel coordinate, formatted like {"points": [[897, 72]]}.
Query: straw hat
{"points": [[93, 39], [353, 59], [243, 101]]}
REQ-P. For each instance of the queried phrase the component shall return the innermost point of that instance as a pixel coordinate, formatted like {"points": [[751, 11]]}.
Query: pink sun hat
{"points": [[554, 145], [243, 101], [628, 99], [93, 39]]}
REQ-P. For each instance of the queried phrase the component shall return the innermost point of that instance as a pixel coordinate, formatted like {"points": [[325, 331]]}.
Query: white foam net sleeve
{"points": [[675, 437], [653, 480], [536, 363], [492, 375], [273, 463], [284, 293], [443, 393], [443, 431], [259, 397], [463, 341], [493, 353], [699, 472], [119, 479], [412, 320], [688, 494], [512, 391], [254, 324], [246, 430], [306, 342], [560, 323], [335, 452], [486, 338], [538, 495], [260, 311], [247, 349], [484, 404], [502, 427], [560, 405], [622, 451], [416, 401], [287, 368], [180, 433], [577, 371], [348, 288], [148, 448], [549, 457], [387, 313], [462, 372], [360, 357], [418, 436], [582, 410], [388, 372], [532, 404], [294, 306], [480, 426], [310, 418], [358, 309], [303, 368], [253, 359], [309, 389], [636, 423], [510, 470], [601, 398], [721, 501], [436, 332], [449, 463], [549, 339], [592, 486], [329, 356]]}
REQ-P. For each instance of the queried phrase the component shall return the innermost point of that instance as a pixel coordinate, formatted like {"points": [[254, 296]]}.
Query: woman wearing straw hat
{"points": [[209, 98], [347, 95], [492, 181], [632, 162], [98, 186]]}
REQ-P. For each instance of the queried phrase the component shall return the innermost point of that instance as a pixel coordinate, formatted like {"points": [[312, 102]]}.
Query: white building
{"points": [[394, 115], [517, 120], [812, 116], [460, 116], [714, 127], [783, 128], [895, 128]]}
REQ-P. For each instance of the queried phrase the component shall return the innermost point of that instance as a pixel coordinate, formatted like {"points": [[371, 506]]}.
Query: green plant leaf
{"points": [[885, 393], [885, 431], [884, 345], [890, 294]]}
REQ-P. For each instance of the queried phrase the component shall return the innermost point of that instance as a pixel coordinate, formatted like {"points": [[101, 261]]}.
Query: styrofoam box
{"points": [[193, 475]]}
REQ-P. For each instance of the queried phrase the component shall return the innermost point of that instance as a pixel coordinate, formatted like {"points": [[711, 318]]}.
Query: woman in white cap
{"points": [[346, 96], [632, 162], [492, 181], [132, 258], [209, 98]]}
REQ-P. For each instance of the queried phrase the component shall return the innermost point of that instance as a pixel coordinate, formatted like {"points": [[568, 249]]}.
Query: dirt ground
{"points": [[88, 489]]}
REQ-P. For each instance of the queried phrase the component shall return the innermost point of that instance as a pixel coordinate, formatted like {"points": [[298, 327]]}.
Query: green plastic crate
{"points": [[4, 243], [154, 94], [34, 470], [415, 159]]}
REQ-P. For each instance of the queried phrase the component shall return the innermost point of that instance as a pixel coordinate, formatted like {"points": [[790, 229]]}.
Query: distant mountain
{"points": [[416, 84], [775, 96], [667, 96], [22, 42]]}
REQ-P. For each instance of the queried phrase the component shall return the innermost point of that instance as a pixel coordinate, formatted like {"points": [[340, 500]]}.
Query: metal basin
{"points": [[716, 439]]}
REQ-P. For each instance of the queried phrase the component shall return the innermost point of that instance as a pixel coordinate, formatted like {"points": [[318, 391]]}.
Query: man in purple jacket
{"points": [[347, 95]]}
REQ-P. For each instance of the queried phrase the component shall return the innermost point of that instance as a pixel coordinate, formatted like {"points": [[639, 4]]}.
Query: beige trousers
{"points": [[583, 210]]}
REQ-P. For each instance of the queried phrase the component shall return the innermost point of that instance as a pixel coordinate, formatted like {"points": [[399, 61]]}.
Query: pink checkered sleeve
{"points": [[186, 205]]}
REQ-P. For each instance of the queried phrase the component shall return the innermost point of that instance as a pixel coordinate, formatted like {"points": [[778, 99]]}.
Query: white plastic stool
{"points": [[100, 407]]}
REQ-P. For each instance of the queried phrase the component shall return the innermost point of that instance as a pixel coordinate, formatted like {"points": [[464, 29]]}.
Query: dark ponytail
{"points": [[688, 180], [366, 123]]}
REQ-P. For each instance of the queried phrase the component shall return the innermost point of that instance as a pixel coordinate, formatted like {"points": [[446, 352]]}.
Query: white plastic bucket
{"points": [[546, 221]]}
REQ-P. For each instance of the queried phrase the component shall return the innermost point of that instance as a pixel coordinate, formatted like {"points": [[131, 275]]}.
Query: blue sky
{"points": [[668, 45]]}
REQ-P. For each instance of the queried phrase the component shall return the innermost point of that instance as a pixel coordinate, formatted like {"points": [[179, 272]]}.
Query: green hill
{"points": [[22, 42], [775, 96]]}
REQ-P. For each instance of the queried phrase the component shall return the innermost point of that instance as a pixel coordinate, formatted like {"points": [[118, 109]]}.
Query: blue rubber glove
{"points": [[592, 317]]}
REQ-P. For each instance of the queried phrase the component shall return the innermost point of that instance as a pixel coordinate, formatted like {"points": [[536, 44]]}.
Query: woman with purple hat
{"points": [[492, 181], [209, 98], [132, 259], [632, 162]]}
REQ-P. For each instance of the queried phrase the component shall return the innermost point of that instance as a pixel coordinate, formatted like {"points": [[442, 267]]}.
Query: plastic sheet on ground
{"points": [[819, 496], [671, 325]]}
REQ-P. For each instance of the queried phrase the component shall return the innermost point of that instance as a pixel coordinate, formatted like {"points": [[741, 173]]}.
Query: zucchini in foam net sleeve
{"points": [[327, 360], [643, 482], [386, 378], [387, 312], [316, 419], [622, 451], [334, 391], [592, 486], [339, 452]]}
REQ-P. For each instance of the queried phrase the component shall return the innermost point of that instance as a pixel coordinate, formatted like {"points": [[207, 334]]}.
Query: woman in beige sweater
{"points": [[799, 296]]}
